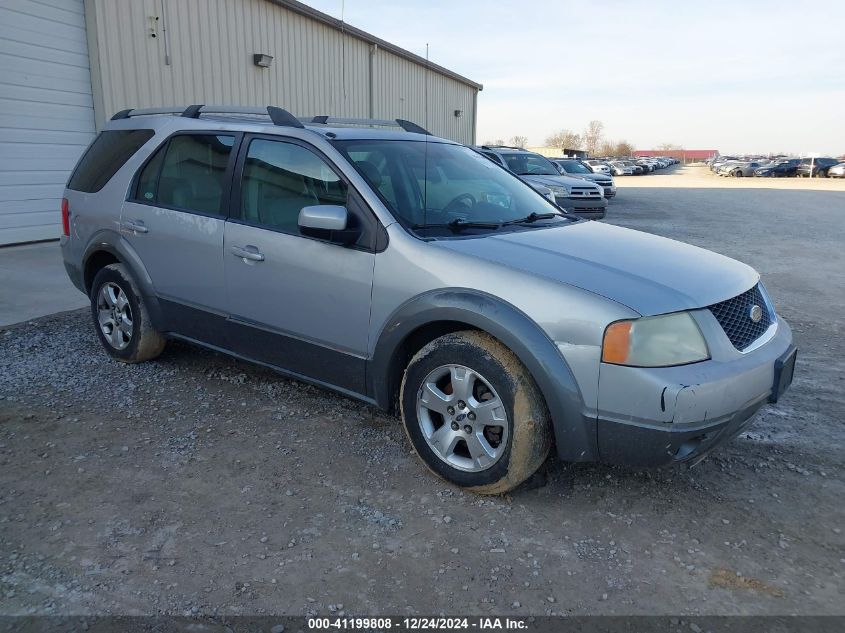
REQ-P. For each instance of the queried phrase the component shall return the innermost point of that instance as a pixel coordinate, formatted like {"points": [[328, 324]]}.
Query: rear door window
{"points": [[189, 173], [106, 155]]}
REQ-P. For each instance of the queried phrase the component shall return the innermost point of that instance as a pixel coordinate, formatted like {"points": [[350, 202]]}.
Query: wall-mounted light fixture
{"points": [[459, 114], [262, 59]]}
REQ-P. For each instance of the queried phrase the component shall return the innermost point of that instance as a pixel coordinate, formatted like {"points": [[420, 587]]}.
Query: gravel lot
{"points": [[201, 484]]}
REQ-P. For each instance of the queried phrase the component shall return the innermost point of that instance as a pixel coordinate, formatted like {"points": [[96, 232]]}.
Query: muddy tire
{"points": [[474, 414], [121, 320]]}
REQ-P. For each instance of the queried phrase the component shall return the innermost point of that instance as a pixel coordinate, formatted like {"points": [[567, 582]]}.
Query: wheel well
{"points": [[411, 344], [96, 262]]}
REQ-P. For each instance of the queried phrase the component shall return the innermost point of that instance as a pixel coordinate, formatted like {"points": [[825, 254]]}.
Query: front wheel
{"points": [[474, 414], [120, 317]]}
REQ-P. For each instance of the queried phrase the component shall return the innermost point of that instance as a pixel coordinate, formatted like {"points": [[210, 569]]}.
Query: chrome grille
{"points": [[734, 315], [585, 192]]}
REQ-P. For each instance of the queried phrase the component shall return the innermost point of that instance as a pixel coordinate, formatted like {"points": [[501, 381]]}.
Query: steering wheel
{"points": [[458, 200]]}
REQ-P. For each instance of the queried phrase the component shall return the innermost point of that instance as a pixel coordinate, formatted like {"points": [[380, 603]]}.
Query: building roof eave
{"points": [[319, 16]]}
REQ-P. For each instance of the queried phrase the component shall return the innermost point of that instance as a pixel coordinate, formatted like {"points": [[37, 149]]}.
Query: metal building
{"points": [[67, 65]]}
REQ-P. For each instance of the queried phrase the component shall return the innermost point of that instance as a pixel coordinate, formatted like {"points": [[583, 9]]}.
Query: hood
{"points": [[554, 181], [593, 177], [649, 274]]}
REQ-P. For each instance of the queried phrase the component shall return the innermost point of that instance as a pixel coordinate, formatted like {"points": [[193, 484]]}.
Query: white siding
{"points": [[46, 112], [316, 69]]}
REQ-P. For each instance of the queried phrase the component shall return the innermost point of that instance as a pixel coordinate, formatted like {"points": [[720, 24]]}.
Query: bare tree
{"points": [[593, 136], [518, 141], [496, 142], [669, 147], [624, 148], [565, 139]]}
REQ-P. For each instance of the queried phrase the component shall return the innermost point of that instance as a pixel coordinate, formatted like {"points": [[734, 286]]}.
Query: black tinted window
{"points": [[192, 176], [148, 179], [108, 153], [280, 179]]}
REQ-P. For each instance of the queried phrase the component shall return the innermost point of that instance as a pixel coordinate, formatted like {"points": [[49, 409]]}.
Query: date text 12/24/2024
{"points": [[418, 623]]}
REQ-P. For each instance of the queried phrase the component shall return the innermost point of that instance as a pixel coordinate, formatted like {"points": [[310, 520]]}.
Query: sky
{"points": [[745, 76]]}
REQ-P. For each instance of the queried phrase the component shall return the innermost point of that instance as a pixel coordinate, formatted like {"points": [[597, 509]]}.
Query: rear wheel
{"points": [[474, 414], [737, 173], [120, 317]]}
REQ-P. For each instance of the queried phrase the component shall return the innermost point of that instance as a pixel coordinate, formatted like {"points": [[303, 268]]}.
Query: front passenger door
{"points": [[294, 301]]}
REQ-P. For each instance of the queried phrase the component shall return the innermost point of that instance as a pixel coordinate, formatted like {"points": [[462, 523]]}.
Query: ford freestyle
{"points": [[410, 272]]}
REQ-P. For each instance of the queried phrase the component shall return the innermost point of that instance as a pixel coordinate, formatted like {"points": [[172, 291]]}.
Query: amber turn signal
{"points": [[617, 343]]}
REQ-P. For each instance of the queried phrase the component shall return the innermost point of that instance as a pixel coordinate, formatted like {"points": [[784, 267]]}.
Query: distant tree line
{"points": [[591, 140]]}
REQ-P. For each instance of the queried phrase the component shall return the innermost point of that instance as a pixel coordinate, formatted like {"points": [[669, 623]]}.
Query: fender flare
{"points": [[112, 242], [575, 433]]}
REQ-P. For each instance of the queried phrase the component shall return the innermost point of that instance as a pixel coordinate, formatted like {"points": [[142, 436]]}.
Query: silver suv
{"points": [[412, 273], [574, 195]]}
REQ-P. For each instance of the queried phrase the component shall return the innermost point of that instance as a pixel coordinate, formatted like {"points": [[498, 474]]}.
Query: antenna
{"points": [[343, 48], [425, 151], [426, 84]]}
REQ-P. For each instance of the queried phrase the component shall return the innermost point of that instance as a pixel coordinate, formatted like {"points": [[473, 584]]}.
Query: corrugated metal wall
{"points": [[316, 69]]}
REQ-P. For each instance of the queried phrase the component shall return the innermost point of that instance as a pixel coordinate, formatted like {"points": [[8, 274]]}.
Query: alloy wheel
{"points": [[462, 418], [114, 314]]}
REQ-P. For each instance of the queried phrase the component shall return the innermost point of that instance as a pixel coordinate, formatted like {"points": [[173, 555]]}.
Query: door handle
{"points": [[248, 252], [135, 225]]}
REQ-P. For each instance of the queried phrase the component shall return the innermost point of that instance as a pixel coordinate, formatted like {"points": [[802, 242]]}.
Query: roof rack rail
{"points": [[278, 116], [502, 147], [408, 126]]}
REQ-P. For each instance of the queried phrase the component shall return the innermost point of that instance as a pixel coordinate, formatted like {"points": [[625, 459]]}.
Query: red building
{"points": [[683, 155]]}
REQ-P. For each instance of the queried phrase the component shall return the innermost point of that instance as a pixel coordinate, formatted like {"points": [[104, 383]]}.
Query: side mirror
{"points": [[329, 222], [325, 217]]}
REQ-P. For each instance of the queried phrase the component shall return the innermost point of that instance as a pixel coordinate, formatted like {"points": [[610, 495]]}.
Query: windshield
{"points": [[573, 167], [440, 183], [530, 165]]}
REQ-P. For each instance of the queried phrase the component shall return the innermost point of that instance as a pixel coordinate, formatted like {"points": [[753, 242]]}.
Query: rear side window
{"points": [[189, 173], [108, 153]]}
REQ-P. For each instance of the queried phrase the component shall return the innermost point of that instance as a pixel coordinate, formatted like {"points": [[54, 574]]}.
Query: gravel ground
{"points": [[201, 484]]}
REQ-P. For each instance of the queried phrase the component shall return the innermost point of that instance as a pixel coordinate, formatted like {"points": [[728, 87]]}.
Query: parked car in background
{"points": [[408, 272], [718, 161], [780, 168], [599, 166], [815, 167], [639, 170], [575, 195], [575, 168], [618, 168], [837, 171], [740, 170]]}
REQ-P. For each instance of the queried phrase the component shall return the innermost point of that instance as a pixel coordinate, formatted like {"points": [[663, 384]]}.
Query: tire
{"points": [[121, 320], [519, 437], [737, 173]]}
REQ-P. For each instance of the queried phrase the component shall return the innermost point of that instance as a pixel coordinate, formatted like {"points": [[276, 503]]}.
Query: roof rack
{"points": [[503, 147], [408, 126], [278, 116]]}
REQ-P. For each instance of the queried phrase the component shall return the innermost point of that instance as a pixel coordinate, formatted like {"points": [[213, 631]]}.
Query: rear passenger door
{"points": [[297, 302], [174, 219]]}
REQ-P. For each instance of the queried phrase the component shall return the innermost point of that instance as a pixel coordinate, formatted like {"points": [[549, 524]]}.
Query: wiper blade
{"points": [[533, 217], [458, 224]]}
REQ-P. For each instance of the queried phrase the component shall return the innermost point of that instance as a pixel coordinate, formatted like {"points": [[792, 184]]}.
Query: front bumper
{"points": [[658, 416], [591, 208]]}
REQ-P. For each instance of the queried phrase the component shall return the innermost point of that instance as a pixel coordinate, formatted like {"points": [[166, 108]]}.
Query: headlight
{"points": [[661, 341], [560, 191]]}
